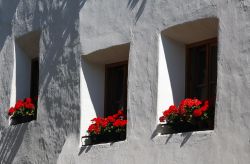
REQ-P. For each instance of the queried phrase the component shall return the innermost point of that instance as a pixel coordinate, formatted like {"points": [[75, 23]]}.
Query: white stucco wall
{"points": [[72, 28]]}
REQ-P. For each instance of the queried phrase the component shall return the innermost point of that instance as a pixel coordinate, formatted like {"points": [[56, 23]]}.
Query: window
{"points": [[25, 81], [103, 81], [188, 68], [202, 70], [116, 87]]}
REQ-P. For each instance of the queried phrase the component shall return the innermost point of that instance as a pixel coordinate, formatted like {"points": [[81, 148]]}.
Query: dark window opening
{"points": [[34, 82], [202, 72], [116, 88], [34, 87]]}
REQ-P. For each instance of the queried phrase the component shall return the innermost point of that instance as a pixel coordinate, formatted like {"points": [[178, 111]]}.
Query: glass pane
{"points": [[201, 93], [199, 72], [116, 86], [199, 65]]}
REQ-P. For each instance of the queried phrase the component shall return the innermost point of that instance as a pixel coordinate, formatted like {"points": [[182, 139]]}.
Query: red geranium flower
{"points": [[28, 100], [124, 123], [29, 105], [11, 111], [111, 119], [171, 109], [116, 116], [162, 118], [197, 113], [19, 104], [120, 123], [120, 112], [104, 123]]}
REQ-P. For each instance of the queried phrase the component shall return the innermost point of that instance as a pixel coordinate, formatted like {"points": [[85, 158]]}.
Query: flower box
{"points": [[109, 129], [19, 120], [23, 111], [106, 138], [190, 115]]}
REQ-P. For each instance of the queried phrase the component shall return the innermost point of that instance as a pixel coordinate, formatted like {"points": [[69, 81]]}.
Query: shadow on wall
{"points": [[131, 5], [58, 110], [58, 61], [7, 11], [84, 149], [10, 142], [161, 129]]}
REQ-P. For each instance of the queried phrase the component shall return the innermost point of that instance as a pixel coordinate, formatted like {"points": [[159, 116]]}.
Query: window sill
{"points": [[182, 138], [98, 147]]}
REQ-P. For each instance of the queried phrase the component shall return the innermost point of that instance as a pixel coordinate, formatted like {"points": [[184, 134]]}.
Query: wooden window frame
{"points": [[108, 66], [207, 42]]}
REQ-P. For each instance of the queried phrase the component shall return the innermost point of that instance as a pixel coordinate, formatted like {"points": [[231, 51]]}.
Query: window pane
{"points": [[199, 65], [201, 93], [198, 72], [116, 90]]}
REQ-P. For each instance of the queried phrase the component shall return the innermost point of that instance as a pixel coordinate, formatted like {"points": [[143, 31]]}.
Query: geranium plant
{"points": [[191, 114], [108, 129], [23, 111]]}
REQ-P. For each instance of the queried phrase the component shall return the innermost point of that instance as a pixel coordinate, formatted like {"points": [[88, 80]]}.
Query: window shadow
{"points": [[10, 142], [7, 12], [84, 149], [186, 136], [59, 44], [163, 129], [132, 4]]}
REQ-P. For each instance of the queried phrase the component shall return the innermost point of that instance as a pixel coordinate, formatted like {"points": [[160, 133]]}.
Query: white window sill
{"points": [[98, 147], [182, 138]]}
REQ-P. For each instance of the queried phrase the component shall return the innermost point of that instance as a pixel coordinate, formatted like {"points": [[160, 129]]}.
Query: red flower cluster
{"points": [[22, 108], [190, 103], [120, 123], [187, 109], [199, 112], [109, 124]]}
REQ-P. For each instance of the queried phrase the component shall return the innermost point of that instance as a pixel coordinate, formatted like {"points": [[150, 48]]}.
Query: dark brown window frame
{"points": [[213, 41], [108, 66]]}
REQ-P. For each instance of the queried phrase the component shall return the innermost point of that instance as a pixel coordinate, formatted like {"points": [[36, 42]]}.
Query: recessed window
{"points": [[202, 70], [104, 76], [116, 87], [188, 66], [25, 81]]}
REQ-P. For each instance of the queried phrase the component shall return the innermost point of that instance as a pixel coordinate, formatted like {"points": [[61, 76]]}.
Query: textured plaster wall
{"points": [[70, 28]]}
